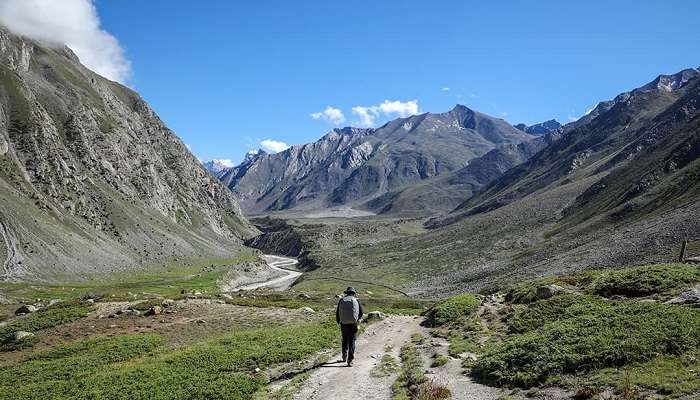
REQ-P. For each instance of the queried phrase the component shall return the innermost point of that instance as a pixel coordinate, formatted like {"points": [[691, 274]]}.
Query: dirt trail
{"points": [[335, 381]]}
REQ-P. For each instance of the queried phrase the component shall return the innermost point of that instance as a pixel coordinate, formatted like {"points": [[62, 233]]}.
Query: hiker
{"points": [[348, 314]]}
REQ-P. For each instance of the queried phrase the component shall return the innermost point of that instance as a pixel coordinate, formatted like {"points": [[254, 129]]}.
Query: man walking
{"points": [[348, 314]]}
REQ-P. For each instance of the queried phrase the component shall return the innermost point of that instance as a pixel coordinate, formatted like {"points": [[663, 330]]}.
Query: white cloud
{"points": [[74, 23], [331, 114], [273, 146], [445, 89], [225, 162], [367, 115]]}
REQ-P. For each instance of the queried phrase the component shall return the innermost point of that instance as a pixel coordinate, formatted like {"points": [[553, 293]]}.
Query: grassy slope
{"points": [[584, 341], [139, 367]]}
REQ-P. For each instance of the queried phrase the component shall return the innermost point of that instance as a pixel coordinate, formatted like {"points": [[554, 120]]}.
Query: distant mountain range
{"points": [[370, 168], [91, 180]]}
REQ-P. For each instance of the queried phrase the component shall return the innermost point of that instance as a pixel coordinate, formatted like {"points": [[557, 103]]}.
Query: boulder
{"points": [[375, 316], [307, 310], [21, 335], [26, 309], [155, 310], [690, 298], [305, 296], [168, 303], [547, 291], [54, 302]]}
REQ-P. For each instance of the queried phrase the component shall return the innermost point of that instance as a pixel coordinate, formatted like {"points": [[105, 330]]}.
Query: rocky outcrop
{"points": [[91, 180]]}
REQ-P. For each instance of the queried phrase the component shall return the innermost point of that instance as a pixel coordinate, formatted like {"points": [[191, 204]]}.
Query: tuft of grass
{"points": [[439, 360], [43, 319], [554, 309], [386, 366], [645, 280], [452, 309], [139, 367], [578, 334], [412, 384]]}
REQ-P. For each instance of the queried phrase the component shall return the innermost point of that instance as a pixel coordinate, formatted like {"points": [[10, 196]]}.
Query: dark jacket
{"points": [[337, 311]]}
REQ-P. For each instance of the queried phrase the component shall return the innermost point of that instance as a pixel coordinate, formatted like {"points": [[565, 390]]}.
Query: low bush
{"points": [[138, 367], [452, 309], [645, 280], [43, 319], [576, 333]]}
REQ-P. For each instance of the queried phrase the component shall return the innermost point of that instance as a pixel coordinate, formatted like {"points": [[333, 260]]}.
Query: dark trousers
{"points": [[349, 332]]}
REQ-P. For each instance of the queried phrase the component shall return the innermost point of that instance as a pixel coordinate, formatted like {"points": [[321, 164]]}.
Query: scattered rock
{"points": [[197, 293], [227, 296], [547, 291], [690, 298], [26, 309], [112, 326], [21, 335], [307, 310], [168, 303], [53, 302], [305, 296], [90, 301], [155, 310], [201, 321], [375, 315], [135, 313]]}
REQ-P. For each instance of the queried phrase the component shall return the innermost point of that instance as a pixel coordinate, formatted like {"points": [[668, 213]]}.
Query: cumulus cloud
{"points": [[74, 23], [367, 115], [445, 89], [224, 162], [273, 146], [331, 114]]}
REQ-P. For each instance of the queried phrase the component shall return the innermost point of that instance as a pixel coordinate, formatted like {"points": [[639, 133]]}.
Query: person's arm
{"points": [[337, 313], [359, 318]]}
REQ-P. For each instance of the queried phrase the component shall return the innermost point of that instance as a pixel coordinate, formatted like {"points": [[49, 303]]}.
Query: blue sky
{"points": [[225, 75]]}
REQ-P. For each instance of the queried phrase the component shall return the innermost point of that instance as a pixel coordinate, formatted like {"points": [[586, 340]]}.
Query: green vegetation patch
{"points": [[586, 335], [43, 319], [439, 360], [412, 383], [138, 367], [452, 309], [645, 280]]}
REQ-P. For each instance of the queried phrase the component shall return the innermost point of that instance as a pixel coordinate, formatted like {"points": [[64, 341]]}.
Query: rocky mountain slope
{"points": [[91, 180], [540, 129], [351, 166]]}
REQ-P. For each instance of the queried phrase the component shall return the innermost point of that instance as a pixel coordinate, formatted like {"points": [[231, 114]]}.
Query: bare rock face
{"points": [[91, 180], [690, 297]]}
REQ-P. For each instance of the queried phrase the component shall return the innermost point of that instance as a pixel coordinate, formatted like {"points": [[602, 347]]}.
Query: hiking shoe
{"points": [[349, 363], [345, 358]]}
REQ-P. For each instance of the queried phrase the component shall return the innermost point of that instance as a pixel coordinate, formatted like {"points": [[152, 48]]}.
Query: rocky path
{"points": [[334, 380], [282, 283]]}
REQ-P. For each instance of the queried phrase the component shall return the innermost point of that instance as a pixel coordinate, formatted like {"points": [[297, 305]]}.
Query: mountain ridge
{"points": [[74, 202]]}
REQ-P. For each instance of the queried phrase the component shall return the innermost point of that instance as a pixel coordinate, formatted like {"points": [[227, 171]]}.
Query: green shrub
{"points": [[553, 309], [645, 280], [452, 309], [43, 319], [130, 367], [439, 360], [587, 336]]}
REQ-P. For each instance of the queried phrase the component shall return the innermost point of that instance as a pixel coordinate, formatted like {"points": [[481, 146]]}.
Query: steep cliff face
{"points": [[350, 166], [91, 180]]}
